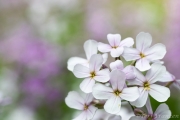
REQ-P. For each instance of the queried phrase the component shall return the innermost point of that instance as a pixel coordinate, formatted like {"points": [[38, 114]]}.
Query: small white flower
{"points": [[90, 48], [75, 101], [115, 93], [115, 46], [161, 113], [128, 70], [147, 86], [144, 54], [91, 73]]}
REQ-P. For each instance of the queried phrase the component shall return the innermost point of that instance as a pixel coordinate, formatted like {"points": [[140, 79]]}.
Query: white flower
{"points": [[115, 93], [128, 70], [91, 73], [75, 101], [161, 113], [147, 86], [90, 48], [116, 46], [144, 54]]}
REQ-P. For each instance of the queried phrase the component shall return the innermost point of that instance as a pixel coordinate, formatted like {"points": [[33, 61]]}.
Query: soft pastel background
{"points": [[38, 36]]}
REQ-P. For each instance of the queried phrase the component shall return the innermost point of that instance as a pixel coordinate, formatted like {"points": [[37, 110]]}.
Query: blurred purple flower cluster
{"points": [[173, 37], [36, 63]]}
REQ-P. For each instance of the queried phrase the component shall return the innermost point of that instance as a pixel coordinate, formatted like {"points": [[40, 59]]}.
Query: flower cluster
{"points": [[108, 86]]}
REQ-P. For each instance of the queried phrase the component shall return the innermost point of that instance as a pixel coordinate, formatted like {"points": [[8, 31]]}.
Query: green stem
{"points": [[131, 106]]}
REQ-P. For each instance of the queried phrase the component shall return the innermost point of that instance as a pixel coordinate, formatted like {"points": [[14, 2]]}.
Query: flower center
{"points": [[117, 92], [142, 55], [93, 74], [146, 85], [150, 117], [114, 47], [85, 107]]}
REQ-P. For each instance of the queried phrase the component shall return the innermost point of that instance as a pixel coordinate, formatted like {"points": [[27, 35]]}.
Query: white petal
{"points": [[159, 93], [141, 101], [82, 116], [117, 79], [115, 117], [143, 41], [158, 61], [139, 79], [88, 98], [143, 64], [156, 52], [104, 47], [81, 71], [90, 48], [149, 107], [117, 65], [128, 42], [101, 91], [155, 73], [114, 39], [102, 75], [129, 71], [105, 57], [130, 54], [167, 77], [113, 105], [87, 85], [90, 112], [138, 118], [130, 94], [74, 61], [74, 100], [116, 52], [162, 112], [95, 62]]}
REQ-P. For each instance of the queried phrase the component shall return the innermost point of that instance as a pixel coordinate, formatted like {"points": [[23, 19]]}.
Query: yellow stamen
{"points": [[146, 85], [142, 55], [117, 92], [93, 74], [85, 107], [114, 47]]}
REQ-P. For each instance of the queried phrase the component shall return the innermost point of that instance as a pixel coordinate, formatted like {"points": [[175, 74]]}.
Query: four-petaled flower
{"points": [[76, 101], [116, 46], [115, 93], [144, 54], [91, 73], [148, 86], [90, 48]]}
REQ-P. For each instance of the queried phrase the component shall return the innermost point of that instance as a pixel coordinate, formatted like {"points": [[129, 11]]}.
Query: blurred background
{"points": [[38, 36]]}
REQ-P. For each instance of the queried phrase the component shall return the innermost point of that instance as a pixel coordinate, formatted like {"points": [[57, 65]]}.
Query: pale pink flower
{"points": [[91, 73], [115, 93], [76, 101], [144, 54], [115, 46]]}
